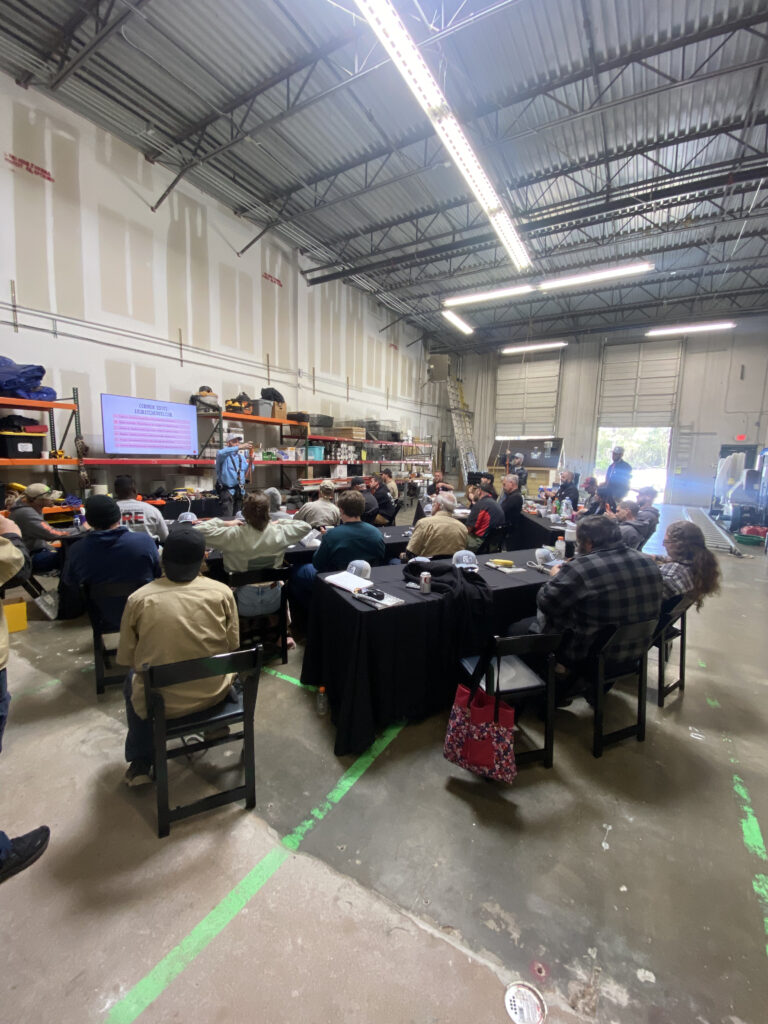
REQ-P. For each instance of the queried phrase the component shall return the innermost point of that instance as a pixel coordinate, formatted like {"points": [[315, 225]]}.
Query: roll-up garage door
{"points": [[638, 386], [526, 396]]}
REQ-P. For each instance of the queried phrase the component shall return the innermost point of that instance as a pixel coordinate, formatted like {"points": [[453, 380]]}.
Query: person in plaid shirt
{"points": [[605, 584]]}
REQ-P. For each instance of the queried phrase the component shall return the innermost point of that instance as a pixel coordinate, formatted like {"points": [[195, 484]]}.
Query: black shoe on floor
{"points": [[24, 851]]}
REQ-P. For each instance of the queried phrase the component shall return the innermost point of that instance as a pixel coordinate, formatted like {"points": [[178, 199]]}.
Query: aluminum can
{"points": [[425, 582]]}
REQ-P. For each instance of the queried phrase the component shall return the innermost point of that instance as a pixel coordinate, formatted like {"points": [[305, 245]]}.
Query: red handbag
{"points": [[480, 734]]}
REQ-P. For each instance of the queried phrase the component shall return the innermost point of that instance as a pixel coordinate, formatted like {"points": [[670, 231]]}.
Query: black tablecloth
{"points": [[380, 667]]}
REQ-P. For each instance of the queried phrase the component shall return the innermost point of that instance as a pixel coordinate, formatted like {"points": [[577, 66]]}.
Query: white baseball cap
{"points": [[360, 568], [466, 560]]}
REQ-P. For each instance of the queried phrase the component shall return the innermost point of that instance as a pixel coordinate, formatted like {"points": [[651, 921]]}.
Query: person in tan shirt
{"points": [[386, 476], [440, 533], [182, 616]]}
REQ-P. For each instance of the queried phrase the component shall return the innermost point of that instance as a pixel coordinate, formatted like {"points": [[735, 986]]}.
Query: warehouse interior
{"points": [[249, 195]]}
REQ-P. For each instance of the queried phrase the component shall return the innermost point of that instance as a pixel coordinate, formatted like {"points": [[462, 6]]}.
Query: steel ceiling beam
{"points": [[560, 219]]}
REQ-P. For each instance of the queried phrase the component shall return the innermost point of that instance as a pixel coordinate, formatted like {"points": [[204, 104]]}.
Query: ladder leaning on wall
{"points": [[462, 427]]}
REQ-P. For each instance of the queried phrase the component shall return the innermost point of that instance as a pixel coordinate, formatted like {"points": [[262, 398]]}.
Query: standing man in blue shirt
{"points": [[232, 467]]}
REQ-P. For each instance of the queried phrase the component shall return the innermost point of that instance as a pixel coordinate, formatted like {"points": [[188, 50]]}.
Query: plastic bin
{"points": [[315, 452], [261, 407], [20, 445]]}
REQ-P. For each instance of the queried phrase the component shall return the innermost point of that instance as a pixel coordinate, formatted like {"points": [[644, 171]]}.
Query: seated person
{"points": [[567, 489], [138, 516], [438, 483], [110, 553], [485, 515], [470, 493], [182, 616], [386, 476], [600, 503], [386, 507], [38, 535], [606, 583], [352, 540], [440, 533], [648, 515], [322, 512], [371, 509], [254, 543], [275, 500], [632, 532], [690, 568], [486, 482], [588, 490], [511, 502]]}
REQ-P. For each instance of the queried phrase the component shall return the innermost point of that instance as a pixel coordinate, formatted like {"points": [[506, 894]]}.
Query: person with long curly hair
{"points": [[690, 568]]}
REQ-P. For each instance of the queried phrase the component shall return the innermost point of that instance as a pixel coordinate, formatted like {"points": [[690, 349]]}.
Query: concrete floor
{"points": [[627, 889]]}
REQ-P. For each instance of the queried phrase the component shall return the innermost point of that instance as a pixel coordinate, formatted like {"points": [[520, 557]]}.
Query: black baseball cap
{"points": [[183, 554], [101, 511]]}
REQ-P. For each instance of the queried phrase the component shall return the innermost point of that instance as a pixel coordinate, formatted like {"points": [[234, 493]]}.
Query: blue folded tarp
{"points": [[23, 381]]}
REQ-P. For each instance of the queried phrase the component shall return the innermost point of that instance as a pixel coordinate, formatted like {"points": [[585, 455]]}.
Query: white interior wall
{"points": [[122, 282]]}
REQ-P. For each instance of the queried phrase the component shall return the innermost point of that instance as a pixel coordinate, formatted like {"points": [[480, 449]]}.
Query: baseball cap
{"points": [[356, 481], [101, 511], [36, 491], [519, 455], [466, 560], [187, 517], [183, 554], [359, 567]]}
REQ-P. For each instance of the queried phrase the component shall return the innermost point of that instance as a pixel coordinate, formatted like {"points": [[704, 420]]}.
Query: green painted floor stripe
{"points": [[750, 827], [152, 985], [288, 679]]}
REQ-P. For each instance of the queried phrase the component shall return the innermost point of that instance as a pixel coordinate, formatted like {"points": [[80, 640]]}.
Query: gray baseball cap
{"points": [[466, 560]]}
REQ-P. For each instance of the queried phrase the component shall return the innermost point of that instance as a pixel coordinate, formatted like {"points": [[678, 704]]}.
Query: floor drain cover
{"points": [[524, 1004]]}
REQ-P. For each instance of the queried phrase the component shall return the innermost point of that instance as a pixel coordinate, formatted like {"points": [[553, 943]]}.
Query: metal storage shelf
{"points": [[32, 403], [38, 462]]}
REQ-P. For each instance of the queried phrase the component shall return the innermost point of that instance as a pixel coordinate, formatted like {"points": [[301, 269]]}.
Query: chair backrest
{"points": [[244, 663], [266, 575], [94, 594], [493, 540], [623, 645]]}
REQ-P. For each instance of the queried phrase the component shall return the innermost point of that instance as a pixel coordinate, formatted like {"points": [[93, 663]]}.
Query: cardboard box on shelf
{"points": [[279, 411]]}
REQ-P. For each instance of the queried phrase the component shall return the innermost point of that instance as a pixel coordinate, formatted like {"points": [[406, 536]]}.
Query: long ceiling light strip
{"points": [[396, 40], [462, 325], [571, 281], [666, 332], [540, 347]]}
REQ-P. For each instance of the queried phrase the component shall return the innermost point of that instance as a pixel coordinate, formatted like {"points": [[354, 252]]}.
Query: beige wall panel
{"points": [[228, 305], [323, 343], [357, 364], [118, 377], [176, 268], [142, 273], [90, 406], [67, 237], [118, 156], [112, 262], [198, 274], [245, 310], [146, 382], [29, 206], [180, 395]]}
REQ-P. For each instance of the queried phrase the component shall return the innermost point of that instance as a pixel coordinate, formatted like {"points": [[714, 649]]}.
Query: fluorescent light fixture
{"points": [[462, 325], [540, 347], [396, 40], [665, 332], [470, 298], [593, 276]]}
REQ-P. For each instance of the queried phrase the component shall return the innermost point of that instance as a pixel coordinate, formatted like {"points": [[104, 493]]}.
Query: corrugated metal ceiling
{"points": [[614, 129]]}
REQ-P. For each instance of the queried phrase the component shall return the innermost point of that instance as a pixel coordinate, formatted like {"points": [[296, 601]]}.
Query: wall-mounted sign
{"points": [[30, 168]]}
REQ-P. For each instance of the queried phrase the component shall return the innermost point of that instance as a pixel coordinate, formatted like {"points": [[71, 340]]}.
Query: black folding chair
{"points": [[242, 709], [248, 633], [670, 627], [600, 674], [396, 506], [507, 674], [493, 541], [93, 595]]}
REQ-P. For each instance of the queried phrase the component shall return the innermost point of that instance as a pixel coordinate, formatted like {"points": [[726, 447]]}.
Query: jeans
{"points": [[5, 846], [5, 702], [139, 745], [302, 581], [46, 560]]}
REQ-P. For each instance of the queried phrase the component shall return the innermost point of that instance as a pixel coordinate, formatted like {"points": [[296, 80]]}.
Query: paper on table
{"points": [[348, 581]]}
